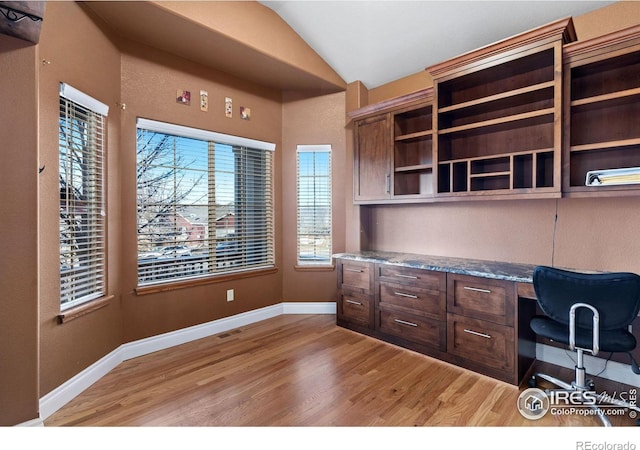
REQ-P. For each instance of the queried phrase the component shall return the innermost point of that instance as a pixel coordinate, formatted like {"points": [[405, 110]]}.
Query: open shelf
{"points": [[498, 124], [413, 152], [501, 80], [521, 171], [603, 107]]}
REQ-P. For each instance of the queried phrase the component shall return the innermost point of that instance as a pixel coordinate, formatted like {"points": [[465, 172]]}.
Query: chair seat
{"points": [[618, 340]]}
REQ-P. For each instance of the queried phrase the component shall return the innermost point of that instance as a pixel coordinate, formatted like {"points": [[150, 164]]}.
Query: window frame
{"points": [[238, 144], [92, 197], [327, 263]]}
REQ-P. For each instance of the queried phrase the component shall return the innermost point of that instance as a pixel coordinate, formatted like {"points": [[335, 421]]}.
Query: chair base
{"points": [[586, 393]]}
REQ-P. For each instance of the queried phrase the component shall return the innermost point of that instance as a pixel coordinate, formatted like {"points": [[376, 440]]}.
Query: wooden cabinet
{"points": [[393, 155], [480, 319], [498, 117], [372, 165], [411, 305], [533, 116], [482, 298], [477, 323], [602, 111], [355, 304]]}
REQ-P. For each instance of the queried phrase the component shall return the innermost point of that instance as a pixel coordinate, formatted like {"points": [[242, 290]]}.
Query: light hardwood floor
{"points": [[300, 370]]}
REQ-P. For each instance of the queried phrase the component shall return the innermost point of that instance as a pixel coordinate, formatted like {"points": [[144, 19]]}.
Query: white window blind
{"points": [[82, 191], [204, 207], [314, 204]]}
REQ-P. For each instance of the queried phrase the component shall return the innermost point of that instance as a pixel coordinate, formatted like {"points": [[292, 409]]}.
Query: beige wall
{"points": [[149, 82], [18, 232], [307, 121], [82, 56], [598, 234]]}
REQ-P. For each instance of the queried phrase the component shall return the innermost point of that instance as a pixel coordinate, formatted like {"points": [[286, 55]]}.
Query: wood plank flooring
{"points": [[300, 370]]}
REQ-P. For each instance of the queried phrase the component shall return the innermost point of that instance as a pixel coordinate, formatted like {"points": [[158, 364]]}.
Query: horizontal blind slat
{"points": [[203, 207], [82, 216]]}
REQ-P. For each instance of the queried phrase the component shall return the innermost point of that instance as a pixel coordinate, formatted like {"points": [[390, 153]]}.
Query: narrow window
{"points": [[205, 203], [82, 197], [314, 204]]}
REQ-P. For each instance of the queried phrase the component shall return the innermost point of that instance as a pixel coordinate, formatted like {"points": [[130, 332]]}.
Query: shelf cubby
{"points": [[413, 152], [512, 172]]}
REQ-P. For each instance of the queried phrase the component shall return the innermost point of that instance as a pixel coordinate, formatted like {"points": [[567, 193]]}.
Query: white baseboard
{"points": [[66, 392], [614, 370], [32, 423]]}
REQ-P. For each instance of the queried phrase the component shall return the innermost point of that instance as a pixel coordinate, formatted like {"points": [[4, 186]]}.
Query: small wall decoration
{"points": [[183, 97], [245, 113], [204, 101], [228, 107]]}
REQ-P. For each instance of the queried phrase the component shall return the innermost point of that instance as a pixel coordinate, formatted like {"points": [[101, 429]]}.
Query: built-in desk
{"points": [[471, 313]]}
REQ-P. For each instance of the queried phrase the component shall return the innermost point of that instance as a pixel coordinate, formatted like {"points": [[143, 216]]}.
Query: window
{"points": [[205, 203], [314, 204], [82, 213]]}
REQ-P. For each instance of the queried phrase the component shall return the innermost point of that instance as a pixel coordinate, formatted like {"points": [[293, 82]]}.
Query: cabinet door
{"points": [[482, 345], [355, 308], [372, 176]]}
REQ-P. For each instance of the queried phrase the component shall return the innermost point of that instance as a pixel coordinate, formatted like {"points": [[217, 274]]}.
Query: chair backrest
{"points": [[616, 296]]}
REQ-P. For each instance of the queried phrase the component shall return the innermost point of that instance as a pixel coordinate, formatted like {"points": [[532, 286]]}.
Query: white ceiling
{"points": [[378, 41]]}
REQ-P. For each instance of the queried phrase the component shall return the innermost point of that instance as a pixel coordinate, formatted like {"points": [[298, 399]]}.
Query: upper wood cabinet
{"points": [[393, 156], [497, 117], [602, 112], [533, 116], [372, 176]]}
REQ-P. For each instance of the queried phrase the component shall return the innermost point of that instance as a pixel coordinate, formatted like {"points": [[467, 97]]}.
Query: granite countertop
{"points": [[522, 273]]}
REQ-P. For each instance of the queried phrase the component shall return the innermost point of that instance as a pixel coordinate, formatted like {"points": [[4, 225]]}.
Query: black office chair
{"points": [[588, 312]]}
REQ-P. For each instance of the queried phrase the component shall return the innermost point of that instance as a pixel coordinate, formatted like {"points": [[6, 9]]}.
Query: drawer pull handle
{"points": [[475, 333], [353, 302], [353, 270], [404, 322], [406, 276], [402, 294], [484, 291]]}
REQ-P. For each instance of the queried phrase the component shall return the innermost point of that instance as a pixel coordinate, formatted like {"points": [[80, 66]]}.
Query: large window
{"points": [[314, 204], [205, 203], [82, 191]]}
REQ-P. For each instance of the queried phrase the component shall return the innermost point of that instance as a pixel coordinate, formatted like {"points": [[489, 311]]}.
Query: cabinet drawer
{"points": [[419, 300], [418, 329], [356, 275], [481, 298], [485, 343], [356, 308], [422, 278]]}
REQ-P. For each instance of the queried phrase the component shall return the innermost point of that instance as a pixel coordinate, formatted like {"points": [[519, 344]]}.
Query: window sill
{"points": [[81, 310], [312, 268], [171, 286]]}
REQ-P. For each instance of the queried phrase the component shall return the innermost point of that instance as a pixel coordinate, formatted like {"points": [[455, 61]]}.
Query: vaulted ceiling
{"points": [[323, 45], [381, 41]]}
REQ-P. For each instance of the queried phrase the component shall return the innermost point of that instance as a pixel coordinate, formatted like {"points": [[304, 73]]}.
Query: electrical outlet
{"points": [[229, 295]]}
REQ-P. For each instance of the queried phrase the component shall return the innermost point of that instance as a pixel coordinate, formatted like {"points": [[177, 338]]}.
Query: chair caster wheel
{"points": [[591, 385], [532, 382]]}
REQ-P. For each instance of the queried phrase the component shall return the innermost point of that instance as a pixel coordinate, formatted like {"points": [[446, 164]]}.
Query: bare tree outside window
{"points": [[203, 207]]}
